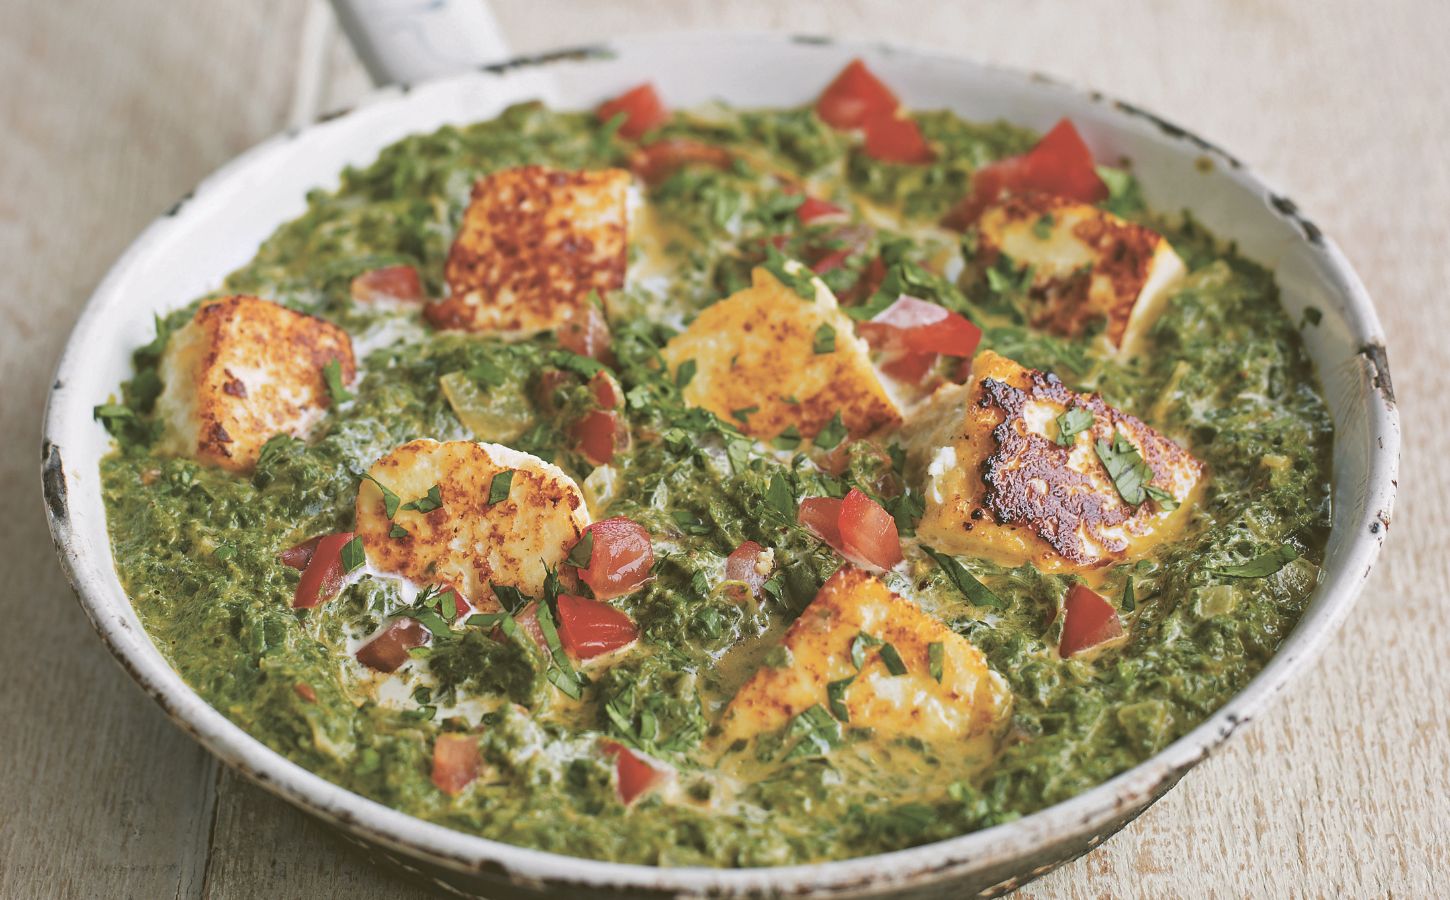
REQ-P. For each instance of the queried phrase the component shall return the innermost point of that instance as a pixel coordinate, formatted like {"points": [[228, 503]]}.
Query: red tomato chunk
{"points": [[395, 283], [620, 559], [857, 527], [854, 96], [323, 577], [1088, 621], [455, 762], [743, 565], [635, 776], [642, 108], [389, 649], [1060, 164], [590, 628]]}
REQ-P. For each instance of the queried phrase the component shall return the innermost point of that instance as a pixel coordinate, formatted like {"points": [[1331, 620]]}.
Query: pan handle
{"points": [[408, 41]]}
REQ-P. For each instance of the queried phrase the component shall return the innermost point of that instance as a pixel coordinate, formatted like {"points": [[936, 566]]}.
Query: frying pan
{"points": [[219, 226]]}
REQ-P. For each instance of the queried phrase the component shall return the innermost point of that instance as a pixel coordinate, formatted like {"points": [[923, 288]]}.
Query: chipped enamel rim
{"points": [[1348, 348]]}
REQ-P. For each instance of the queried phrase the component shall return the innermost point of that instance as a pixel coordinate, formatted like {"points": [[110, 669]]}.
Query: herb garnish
{"points": [[427, 503], [859, 644], [487, 374], [936, 655], [583, 551], [832, 434], [1042, 228], [892, 659], [352, 555], [1072, 423], [818, 732], [836, 698], [332, 374], [743, 413], [1130, 601], [825, 341], [509, 597], [1125, 465], [797, 280], [957, 574], [390, 499], [1263, 565], [779, 496], [685, 373], [226, 550], [788, 439], [498, 488], [1166, 501], [397, 531]]}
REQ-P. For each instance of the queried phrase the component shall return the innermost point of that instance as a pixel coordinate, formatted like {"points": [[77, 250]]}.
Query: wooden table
{"points": [[113, 110]]}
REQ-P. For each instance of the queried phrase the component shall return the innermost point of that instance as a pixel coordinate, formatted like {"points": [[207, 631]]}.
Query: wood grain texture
{"points": [[113, 110]]}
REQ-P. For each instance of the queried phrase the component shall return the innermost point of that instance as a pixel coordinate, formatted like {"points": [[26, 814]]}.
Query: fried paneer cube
{"points": [[1012, 468], [766, 359], [1088, 265], [444, 529], [969, 700], [241, 371], [534, 243]]}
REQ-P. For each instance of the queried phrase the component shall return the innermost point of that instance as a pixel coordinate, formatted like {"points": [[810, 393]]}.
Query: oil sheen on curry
{"points": [[724, 487]]}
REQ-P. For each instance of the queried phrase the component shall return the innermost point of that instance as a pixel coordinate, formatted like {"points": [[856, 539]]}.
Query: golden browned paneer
{"points": [[241, 371], [970, 699], [1088, 265], [756, 363], [533, 244], [998, 484], [463, 540]]}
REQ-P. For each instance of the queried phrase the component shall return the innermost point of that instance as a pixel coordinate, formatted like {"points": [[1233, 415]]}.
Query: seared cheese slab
{"points": [[766, 359], [1088, 265], [969, 700], [999, 485], [533, 244], [241, 371], [465, 541]]}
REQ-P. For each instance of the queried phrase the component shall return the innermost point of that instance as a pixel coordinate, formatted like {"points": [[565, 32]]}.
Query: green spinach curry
{"points": [[617, 752]]}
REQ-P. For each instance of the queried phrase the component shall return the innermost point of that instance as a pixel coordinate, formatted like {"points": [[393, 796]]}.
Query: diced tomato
{"points": [[461, 606], [598, 435], [642, 107], [831, 261], [586, 332], [924, 327], [589, 628], [743, 565], [389, 649], [854, 95], [857, 527], [868, 532], [1088, 621], [323, 577], [635, 776], [813, 208], [456, 761], [620, 560], [891, 138], [910, 368], [822, 517], [528, 620], [1060, 164], [662, 159], [549, 383], [298, 557], [606, 391], [397, 283]]}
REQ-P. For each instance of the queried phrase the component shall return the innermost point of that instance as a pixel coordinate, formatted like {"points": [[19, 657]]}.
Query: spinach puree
{"points": [[197, 548]]}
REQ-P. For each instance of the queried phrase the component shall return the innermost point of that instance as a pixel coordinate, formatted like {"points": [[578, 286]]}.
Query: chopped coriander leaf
{"points": [[1126, 467], [685, 373], [836, 698], [565, 682], [825, 341], [509, 597], [936, 658], [743, 413], [430, 620], [353, 555], [1261, 566], [428, 503], [964, 581], [832, 434], [448, 605], [488, 374], [107, 413], [332, 374], [1130, 602], [1313, 315], [690, 523], [859, 645], [397, 531], [498, 488], [1042, 228], [1072, 423], [798, 280], [788, 439], [225, 550], [421, 714], [484, 620], [390, 499], [898, 458], [892, 660], [583, 551], [780, 497], [1166, 501], [574, 362]]}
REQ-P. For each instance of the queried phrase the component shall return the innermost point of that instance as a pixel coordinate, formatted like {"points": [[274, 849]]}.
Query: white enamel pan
{"points": [[218, 227]]}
